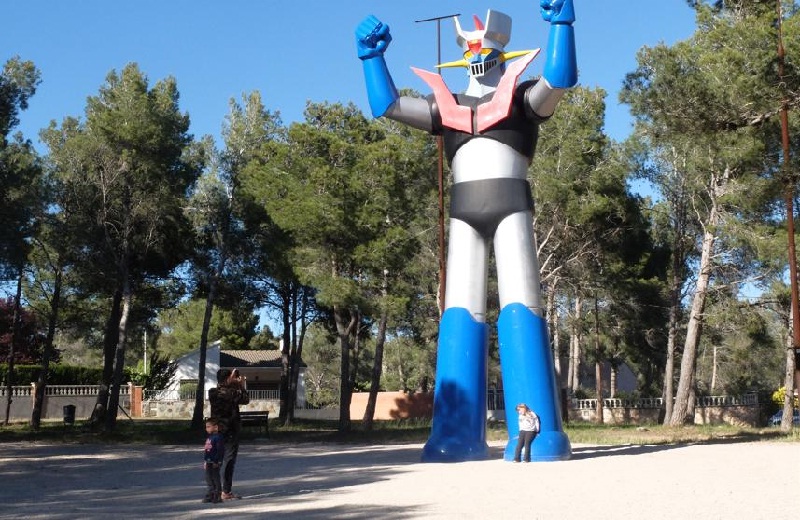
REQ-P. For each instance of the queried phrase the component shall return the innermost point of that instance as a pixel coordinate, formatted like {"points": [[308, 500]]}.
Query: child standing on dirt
{"points": [[214, 452]]}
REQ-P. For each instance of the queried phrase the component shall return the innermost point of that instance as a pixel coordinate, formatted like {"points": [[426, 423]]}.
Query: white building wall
{"points": [[188, 367]]}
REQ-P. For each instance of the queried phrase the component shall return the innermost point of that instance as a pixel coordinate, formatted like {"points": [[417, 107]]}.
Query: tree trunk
{"points": [[377, 369], [41, 384], [377, 364], [612, 391], [570, 362], [598, 366], [690, 409], [344, 329], [573, 364], [200, 393], [355, 349], [401, 371], [15, 323], [575, 349], [119, 362], [294, 358], [672, 339], [300, 299], [110, 339], [285, 295], [788, 398], [683, 407], [693, 332], [713, 368], [679, 203], [552, 318], [297, 358]]}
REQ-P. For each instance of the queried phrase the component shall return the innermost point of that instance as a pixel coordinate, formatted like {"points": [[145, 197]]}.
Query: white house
{"points": [[262, 368]]}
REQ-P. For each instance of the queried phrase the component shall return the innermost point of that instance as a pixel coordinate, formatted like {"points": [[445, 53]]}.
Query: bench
{"points": [[257, 418]]}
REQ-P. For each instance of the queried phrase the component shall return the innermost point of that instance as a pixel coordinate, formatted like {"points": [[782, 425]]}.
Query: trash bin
{"points": [[69, 414]]}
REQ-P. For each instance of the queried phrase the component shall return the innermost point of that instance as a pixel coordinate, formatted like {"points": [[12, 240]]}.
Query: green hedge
{"points": [[58, 374]]}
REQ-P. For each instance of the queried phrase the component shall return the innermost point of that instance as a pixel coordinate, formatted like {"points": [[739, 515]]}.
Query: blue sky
{"points": [[297, 51]]}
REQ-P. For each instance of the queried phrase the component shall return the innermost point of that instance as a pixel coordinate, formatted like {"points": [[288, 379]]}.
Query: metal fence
{"points": [[494, 398], [658, 402], [190, 395], [60, 390]]}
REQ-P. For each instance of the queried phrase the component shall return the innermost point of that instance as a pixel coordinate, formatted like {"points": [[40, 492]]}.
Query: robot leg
{"points": [[525, 359], [458, 432]]}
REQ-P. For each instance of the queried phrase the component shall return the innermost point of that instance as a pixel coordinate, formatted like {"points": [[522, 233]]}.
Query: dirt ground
{"points": [[315, 482]]}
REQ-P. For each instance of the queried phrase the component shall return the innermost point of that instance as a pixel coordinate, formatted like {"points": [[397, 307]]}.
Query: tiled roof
{"points": [[250, 358]]}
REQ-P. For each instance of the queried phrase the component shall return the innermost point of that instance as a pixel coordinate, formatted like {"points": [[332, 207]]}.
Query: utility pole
{"points": [[440, 148], [789, 179]]}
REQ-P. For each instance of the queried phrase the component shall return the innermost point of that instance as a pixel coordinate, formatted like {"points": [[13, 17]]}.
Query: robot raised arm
{"points": [[372, 40], [560, 69]]}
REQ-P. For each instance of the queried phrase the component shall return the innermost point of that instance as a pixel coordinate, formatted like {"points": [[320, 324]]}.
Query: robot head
{"points": [[484, 47]]}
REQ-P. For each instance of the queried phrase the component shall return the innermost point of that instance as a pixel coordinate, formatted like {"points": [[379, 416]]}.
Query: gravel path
{"points": [[315, 482]]}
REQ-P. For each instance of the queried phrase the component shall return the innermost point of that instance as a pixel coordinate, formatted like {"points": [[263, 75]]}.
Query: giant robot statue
{"points": [[490, 134]]}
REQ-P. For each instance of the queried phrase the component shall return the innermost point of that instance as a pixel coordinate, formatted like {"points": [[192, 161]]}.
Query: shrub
{"points": [[58, 374], [779, 395]]}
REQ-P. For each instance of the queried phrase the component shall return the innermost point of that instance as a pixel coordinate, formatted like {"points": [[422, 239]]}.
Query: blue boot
{"points": [[458, 432], [529, 377]]}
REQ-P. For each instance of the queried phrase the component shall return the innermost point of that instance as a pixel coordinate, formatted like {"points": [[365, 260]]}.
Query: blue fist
{"points": [[372, 38], [558, 11]]}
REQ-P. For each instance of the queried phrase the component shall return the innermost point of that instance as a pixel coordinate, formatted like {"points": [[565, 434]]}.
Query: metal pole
{"points": [[789, 197], [440, 171]]}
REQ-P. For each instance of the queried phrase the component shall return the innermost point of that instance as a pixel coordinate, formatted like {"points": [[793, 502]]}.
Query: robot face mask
{"points": [[482, 61], [483, 47]]}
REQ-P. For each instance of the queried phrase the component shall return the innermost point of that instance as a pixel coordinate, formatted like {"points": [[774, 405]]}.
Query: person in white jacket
{"points": [[528, 428]]}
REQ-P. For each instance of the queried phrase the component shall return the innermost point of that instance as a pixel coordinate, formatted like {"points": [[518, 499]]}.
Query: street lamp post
{"points": [[440, 148]]}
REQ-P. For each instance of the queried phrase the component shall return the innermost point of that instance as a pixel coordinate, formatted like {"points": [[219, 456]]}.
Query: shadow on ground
{"points": [[613, 451], [284, 480], [95, 481], [643, 448]]}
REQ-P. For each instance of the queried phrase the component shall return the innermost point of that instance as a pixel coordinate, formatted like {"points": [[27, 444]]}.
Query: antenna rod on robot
{"points": [[440, 169]]}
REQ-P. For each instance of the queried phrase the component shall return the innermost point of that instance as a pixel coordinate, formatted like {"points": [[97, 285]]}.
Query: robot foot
{"points": [[441, 449]]}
